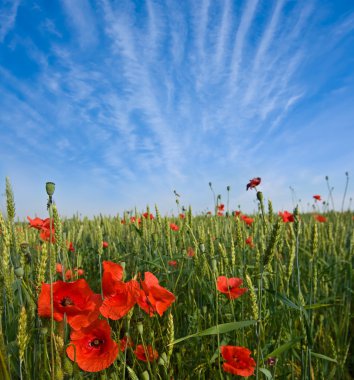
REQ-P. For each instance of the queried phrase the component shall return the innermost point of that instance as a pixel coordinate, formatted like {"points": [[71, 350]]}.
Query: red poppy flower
{"points": [[237, 213], [174, 227], [133, 219], [122, 221], [125, 342], [190, 252], [250, 242], [75, 299], [238, 360], [112, 274], [45, 234], [92, 347], [150, 354], [321, 218], [58, 268], [104, 244], [182, 216], [220, 213], [68, 275], [37, 223], [286, 216], [253, 183], [317, 197], [80, 271], [221, 207], [146, 215], [247, 220], [153, 297], [230, 287], [119, 304], [70, 246], [172, 263], [209, 213]]}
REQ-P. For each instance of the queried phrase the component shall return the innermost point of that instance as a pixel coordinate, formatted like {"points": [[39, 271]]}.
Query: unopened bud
{"points": [[50, 188]]}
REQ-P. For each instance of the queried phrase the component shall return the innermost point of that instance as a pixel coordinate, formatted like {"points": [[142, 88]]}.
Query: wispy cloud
{"points": [[8, 12]]}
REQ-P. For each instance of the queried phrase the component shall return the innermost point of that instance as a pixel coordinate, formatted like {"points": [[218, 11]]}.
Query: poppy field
{"points": [[221, 295]]}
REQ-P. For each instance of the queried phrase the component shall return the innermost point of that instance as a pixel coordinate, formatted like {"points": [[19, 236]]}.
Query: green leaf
{"points": [[283, 299], [324, 357], [218, 329], [267, 373], [318, 306], [284, 347]]}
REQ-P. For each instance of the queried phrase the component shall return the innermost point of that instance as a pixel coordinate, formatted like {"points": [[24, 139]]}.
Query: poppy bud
{"points": [[140, 328], [50, 188], [19, 272], [260, 196]]}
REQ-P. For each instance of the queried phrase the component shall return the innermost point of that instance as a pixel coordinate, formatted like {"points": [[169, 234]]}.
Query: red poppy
{"points": [[146, 215], [220, 213], [133, 219], [247, 220], [45, 234], [253, 183], [321, 218], [117, 305], [182, 216], [80, 271], [286, 216], [174, 227], [58, 268], [92, 347], [237, 213], [153, 297], [122, 221], [190, 252], [238, 360], [172, 263], [150, 354], [209, 213], [70, 246], [125, 342], [112, 274], [221, 207], [104, 244], [75, 299], [68, 275], [37, 223], [317, 197], [250, 242], [230, 287]]}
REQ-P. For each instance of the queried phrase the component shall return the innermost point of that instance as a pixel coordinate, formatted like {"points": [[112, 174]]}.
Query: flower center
{"points": [[66, 301], [96, 342]]}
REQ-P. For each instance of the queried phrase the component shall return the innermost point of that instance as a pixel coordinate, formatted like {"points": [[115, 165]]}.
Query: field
{"points": [[215, 296]]}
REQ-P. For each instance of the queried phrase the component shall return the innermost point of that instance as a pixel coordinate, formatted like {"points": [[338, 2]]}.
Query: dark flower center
{"points": [[66, 301], [96, 342]]}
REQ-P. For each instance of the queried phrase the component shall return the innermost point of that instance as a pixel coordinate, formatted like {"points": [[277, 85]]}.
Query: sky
{"points": [[122, 102]]}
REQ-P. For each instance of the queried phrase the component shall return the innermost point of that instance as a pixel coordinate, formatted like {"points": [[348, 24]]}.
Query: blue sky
{"points": [[121, 102]]}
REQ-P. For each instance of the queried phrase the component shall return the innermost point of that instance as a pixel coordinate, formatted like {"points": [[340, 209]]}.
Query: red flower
{"points": [[58, 268], [140, 353], [94, 348], [146, 215], [68, 274], [250, 242], [172, 263], [321, 218], [209, 213], [190, 252], [122, 221], [104, 244], [76, 299], [125, 342], [221, 207], [79, 271], [70, 246], [230, 287], [237, 213], [220, 213], [119, 304], [317, 197], [253, 183], [182, 216], [286, 216], [120, 296], [37, 223], [153, 297], [238, 360], [133, 220], [174, 227], [45, 234], [247, 220]]}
